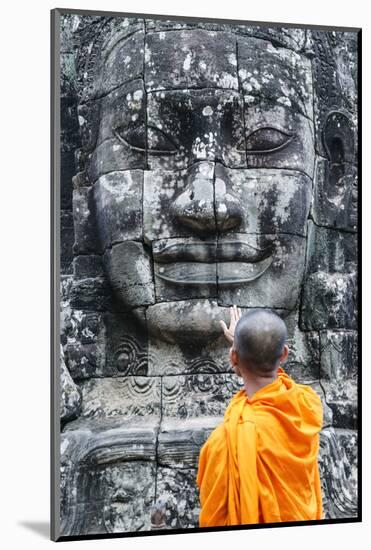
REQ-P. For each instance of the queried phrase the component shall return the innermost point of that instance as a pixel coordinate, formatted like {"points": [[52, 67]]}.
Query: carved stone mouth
{"points": [[207, 263], [209, 251], [223, 273]]}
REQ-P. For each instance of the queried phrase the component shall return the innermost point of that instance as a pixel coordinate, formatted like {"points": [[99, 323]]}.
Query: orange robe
{"points": [[260, 464]]}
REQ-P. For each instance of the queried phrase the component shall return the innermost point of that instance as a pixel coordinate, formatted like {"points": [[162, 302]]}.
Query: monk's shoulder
{"points": [[309, 392], [310, 398], [215, 443]]}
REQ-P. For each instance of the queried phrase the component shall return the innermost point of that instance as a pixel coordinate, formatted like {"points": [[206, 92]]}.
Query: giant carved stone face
{"points": [[199, 186], [202, 169]]}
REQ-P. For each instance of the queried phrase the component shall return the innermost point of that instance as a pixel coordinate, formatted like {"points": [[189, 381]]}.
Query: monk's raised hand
{"points": [[235, 314]]}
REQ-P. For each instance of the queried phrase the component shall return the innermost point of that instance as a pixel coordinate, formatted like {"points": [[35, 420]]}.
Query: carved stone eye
{"points": [[267, 140], [159, 142], [135, 138], [132, 136]]}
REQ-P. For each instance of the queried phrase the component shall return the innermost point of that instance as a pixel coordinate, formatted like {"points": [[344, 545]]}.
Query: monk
{"points": [[260, 464]]}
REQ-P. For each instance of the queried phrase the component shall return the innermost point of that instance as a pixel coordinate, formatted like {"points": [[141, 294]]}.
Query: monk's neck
{"points": [[252, 382]]}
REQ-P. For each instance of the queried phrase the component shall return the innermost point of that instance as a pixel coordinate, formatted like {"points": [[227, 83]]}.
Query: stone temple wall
{"points": [[202, 165]]}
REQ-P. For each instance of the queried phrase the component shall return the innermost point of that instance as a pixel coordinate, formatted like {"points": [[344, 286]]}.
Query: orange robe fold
{"points": [[260, 464]]}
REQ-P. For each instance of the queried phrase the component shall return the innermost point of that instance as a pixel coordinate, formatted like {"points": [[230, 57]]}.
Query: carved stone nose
{"points": [[194, 208], [205, 206], [228, 209]]}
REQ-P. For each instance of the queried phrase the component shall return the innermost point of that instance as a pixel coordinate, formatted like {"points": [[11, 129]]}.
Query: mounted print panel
{"points": [[200, 164]]}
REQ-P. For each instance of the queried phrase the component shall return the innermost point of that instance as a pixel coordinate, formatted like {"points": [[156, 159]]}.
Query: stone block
{"points": [[334, 61], [126, 396], [129, 270], [339, 354], [190, 58], [67, 238], [113, 155], [108, 479], [274, 75], [67, 172], [126, 344], [87, 266], [118, 198], [101, 42], [198, 395], [109, 344], [329, 301], [331, 250], [341, 397], [188, 323], [179, 490], [338, 459], [93, 293], [335, 195], [85, 360], [70, 396], [303, 362], [279, 37], [180, 441], [122, 61], [187, 358], [84, 219]]}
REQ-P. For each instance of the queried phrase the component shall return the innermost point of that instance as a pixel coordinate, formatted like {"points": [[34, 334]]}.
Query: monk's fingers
{"points": [[231, 312], [235, 314], [227, 333], [224, 326], [239, 313]]}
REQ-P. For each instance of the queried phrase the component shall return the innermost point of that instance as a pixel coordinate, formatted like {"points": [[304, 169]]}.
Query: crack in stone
{"points": [[333, 228], [125, 82]]}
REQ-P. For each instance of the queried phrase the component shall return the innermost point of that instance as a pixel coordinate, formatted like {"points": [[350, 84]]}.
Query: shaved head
{"points": [[259, 340]]}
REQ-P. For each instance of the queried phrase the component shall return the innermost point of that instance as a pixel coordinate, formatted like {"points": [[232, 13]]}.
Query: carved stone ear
{"points": [[338, 138]]}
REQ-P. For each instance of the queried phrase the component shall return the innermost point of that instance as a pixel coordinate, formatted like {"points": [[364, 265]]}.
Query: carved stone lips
{"points": [[197, 263]]}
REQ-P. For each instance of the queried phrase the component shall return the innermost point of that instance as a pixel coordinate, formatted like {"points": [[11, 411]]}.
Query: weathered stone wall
{"points": [[202, 165]]}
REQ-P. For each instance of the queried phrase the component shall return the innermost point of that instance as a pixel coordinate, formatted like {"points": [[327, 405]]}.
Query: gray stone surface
{"points": [[339, 375], [202, 165], [105, 344], [86, 235], [336, 195], [197, 395], [329, 298], [70, 401], [335, 67], [107, 475], [118, 197], [190, 125], [338, 462], [180, 441], [331, 250], [276, 279], [179, 489], [129, 271], [271, 74], [330, 301], [123, 396], [199, 59]]}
